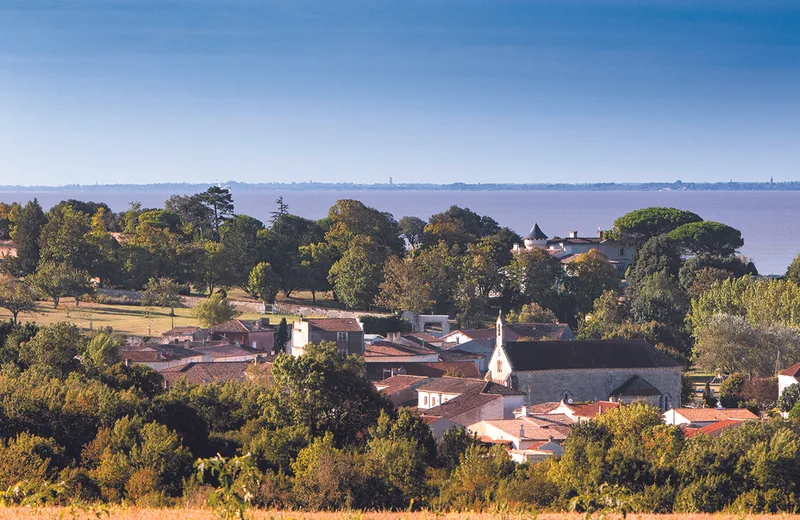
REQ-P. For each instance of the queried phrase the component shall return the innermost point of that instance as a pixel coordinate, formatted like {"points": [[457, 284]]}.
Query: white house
{"points": [[700, 417], [788, 378], [521, 434]]}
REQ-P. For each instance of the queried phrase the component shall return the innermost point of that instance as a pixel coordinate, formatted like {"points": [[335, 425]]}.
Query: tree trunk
{"points": [[14, 314], [314, 297], [55, 302]]}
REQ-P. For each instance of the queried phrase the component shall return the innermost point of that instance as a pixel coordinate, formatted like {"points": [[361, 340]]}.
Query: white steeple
{"points": [[500, 328]]}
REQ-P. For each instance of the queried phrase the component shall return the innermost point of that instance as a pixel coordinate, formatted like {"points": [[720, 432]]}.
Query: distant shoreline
{"points": [[323, 186]]}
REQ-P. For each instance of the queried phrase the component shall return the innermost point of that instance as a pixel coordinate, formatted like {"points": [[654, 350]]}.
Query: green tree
{"points": [[711, 238], [58, 280], [640, 225], [316, 261], [242, 247], [194, 214], [404, 287], [63, 239], [412, 229], [532, 313], [163, 292], [281, 244], [356, 277], [219, 203], [211, 265], [350, 219], [588, 275], [54, 346], [606, 317], [658, 297], [31, 458], [16, 296], [263, 282], [282, 336], [214, 310], [789, 397], [25, 233], [101, 351], [440, 267], [658, 254], [535, 276], [324, 392]]}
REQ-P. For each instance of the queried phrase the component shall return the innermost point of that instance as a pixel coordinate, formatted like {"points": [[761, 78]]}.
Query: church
{"points": [[566, 249], [582, 371]]}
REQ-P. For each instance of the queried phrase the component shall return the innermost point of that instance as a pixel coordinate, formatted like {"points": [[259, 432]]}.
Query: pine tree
{"points": [[282, 337]]}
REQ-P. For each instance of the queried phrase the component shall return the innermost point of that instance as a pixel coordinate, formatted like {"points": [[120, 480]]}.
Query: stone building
{"points": [[345, 332], [576, 371]]}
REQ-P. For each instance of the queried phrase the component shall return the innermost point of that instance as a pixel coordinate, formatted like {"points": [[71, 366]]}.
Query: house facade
{"points": [[346, 333], [257, 335], [788, 377]]}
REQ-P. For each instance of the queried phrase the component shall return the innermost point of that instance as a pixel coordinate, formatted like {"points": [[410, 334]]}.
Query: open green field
{"points": [[133, 513], [125, 319]]}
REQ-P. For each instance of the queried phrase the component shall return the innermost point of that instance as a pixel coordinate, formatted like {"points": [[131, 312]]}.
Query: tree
{"points": [[281, 244], [316, 261], [711, 238], [57, 280], [658, 297], [219, 202], [532, 313], [356, 277], [350, 219], [404, 287], [54, 346], [283, 209], [658, 254], [16, 296], [263, 282], [535, 276], [606, 317], [282, 336], [440, 267], [101, 351], [211, 265], [698, 267], [241, 247], [194, 214], [588, 275], [326, 393], [639, 225], [412, 229], [214, 310], [25, 234], [63, 239], [789, 397], [163, 292]]}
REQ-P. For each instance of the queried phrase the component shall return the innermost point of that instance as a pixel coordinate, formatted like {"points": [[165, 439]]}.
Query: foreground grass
{"points": [[125, 319], [133, 513]]}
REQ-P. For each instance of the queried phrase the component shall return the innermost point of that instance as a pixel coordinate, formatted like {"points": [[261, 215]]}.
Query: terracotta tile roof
{"points": [[394, 384], [462, 403], [453, 385], [715, 415], [232, 326], [636, 387], [207, 372], [162, 353], [713, 429], [424, 336], [458, 355], [335, 324], [592, 410], [429, 419], [387, 348], [488, 440], [537, 331], [792, 371], [224, 351], [438, 369], [543, 407], [474, 333], [571, 355], [531, 429]]}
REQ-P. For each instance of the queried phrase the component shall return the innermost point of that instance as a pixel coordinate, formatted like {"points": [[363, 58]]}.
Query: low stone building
{"points": [[575, 371], [345, 332]]}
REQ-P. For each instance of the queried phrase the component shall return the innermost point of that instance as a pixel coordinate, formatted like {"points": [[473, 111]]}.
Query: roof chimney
{"points": [[573, 234], [521, 431], [600, 410]]}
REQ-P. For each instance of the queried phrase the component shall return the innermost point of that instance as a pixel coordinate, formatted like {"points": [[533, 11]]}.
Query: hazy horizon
{"points": [[142, 91]]}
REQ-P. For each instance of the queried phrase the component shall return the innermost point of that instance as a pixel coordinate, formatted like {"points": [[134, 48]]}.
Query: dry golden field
{"points": [[54, 513]]}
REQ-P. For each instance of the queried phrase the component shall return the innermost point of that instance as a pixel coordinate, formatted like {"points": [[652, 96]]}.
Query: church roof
{"points": [[571, 355], [636, 387], [536, 233]]}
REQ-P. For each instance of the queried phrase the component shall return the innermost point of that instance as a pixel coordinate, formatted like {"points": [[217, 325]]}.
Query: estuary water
{"points": [[769, 220]]}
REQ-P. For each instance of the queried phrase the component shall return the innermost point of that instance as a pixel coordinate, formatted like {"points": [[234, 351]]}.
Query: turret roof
{"points": [[536, 233]]}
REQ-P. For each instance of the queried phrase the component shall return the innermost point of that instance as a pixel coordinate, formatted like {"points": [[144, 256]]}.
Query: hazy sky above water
{"points": [[143, 91]]}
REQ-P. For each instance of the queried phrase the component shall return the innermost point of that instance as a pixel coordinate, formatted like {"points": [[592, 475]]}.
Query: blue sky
{"points": [[142, 91]]}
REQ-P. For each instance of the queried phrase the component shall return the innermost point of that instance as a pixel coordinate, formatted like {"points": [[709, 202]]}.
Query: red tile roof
{"points": [[335, 324], [713, 429], [231, 326], [715, 415], [181, 331], [439, 369], [592, 410], [197, 373], [387, 348], [394, 384], [543, 407], [792, 371], [462, 403]]}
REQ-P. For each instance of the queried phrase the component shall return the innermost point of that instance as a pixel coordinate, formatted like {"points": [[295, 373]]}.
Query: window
{"points": [[341, 336], [499, 366], [425, 400]]}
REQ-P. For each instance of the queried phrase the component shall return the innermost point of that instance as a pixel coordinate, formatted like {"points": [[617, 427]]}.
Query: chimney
{"points": [[573, 234], [524, 411], [127, 362], [521, 431], [516, 247], [600, 410]]}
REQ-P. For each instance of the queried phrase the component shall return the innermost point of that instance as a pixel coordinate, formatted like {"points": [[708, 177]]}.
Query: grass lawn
{"points": [[133, 513], [125, 319]]}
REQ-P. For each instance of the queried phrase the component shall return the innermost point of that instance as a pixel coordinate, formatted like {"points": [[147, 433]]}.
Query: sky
{"points": [[148, 91]]}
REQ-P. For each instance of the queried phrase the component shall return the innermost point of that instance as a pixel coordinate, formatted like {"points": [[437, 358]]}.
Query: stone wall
{"points": [[594, 384]]}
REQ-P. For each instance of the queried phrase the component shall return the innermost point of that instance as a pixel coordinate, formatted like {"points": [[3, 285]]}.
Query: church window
{"points": [[499, 366]]}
